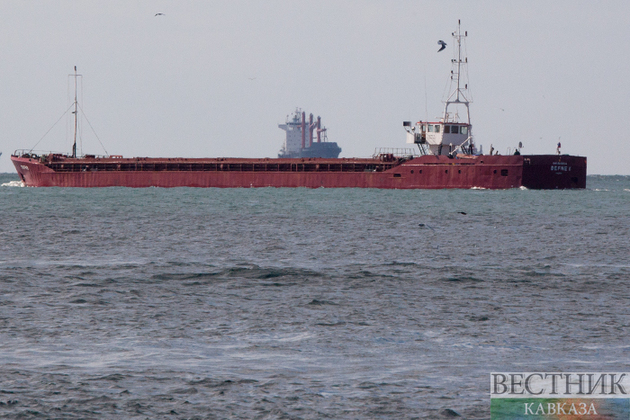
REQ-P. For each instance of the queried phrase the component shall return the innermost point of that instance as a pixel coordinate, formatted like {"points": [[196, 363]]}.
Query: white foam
{"points": [[14, 184]]}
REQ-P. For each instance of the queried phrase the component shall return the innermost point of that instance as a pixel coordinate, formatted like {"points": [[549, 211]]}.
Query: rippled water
{"points": [[303, 304]]}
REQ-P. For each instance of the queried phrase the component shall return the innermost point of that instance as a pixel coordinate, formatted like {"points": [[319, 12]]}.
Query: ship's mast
{"points": [[75, 112], [76, 105], [457, 96]]}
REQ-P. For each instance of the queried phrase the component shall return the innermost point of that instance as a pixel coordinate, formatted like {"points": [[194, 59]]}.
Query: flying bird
{"points": [[159, 14], [442, 45]]}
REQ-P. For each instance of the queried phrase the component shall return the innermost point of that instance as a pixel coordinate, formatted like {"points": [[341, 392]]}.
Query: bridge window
{"points": [[455, 129], [447, 129], [464, 130]]}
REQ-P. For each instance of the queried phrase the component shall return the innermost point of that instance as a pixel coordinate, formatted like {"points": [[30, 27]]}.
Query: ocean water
{"points": [[270, 303]]}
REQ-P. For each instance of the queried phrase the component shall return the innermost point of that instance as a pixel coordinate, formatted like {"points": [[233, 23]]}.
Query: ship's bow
{"points": [[30, 170], [546, 172]]}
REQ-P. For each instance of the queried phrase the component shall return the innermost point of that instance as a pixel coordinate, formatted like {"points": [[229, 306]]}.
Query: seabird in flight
{"points": [[443, 45], [159, 14]]}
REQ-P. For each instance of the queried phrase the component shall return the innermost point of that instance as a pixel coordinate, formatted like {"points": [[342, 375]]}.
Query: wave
{"points": [[13, 184], [252, 272]]}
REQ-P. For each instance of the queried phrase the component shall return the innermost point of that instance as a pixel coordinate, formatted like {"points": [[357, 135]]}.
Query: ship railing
{"points": [[36, 154], [404, 153]]}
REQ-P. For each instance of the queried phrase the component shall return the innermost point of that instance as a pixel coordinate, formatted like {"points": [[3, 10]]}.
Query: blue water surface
{"points": [[301, 303]]}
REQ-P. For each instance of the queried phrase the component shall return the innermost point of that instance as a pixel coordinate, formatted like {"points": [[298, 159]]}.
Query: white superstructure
{"points": [[293, 128]]}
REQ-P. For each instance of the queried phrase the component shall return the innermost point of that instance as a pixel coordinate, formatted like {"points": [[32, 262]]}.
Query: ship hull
{"points": [[425, 172], [328, 150]]}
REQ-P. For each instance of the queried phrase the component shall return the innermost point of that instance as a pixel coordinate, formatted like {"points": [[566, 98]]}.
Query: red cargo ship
{"points": [[446, 158], [386, 171]]}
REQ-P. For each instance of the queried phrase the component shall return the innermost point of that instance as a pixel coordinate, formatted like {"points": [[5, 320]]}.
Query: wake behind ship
{"points": [[447, 157]]}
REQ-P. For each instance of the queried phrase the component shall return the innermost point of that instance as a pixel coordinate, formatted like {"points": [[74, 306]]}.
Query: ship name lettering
{"points": [[557, 167], [24, 167]]}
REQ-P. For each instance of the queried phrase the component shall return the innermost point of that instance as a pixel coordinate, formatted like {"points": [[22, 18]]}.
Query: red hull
{"points": [[426, 172]]}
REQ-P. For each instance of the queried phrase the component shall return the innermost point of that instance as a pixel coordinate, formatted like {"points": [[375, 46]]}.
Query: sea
{"points": [[187, 303]]}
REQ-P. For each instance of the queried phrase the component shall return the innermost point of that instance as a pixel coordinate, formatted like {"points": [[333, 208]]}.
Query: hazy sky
{"points": [[215, 78]]}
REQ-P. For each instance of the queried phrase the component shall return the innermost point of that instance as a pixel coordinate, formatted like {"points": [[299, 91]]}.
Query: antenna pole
{"points": [[457, 95], [459, 57], [74, 145]]}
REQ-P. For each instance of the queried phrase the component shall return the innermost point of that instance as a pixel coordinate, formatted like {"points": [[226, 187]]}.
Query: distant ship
{"points": [[446, 157], [297, 145]]}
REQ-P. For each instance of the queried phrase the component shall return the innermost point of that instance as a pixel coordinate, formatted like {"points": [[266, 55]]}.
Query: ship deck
{"points": [[221, 165]]}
